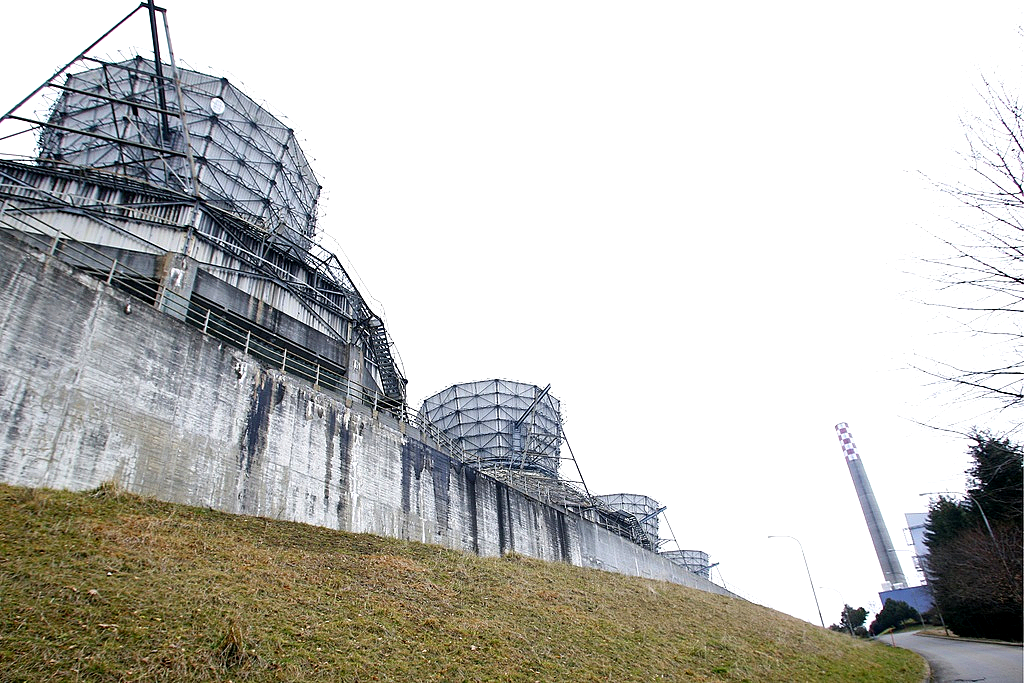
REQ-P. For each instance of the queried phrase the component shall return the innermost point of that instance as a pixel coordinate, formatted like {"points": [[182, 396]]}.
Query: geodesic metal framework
{"points": [[223, 181], [193, 133], [644, 508], [513, 431], [500, 424], [695, 561]]}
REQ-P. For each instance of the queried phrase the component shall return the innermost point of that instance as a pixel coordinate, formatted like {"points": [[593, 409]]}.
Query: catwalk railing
{"points": [[290, 358], [215, 321], [306, 273]]}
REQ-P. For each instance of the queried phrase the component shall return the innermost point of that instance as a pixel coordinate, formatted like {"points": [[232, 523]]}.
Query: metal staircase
{"points": [[392, 381]]}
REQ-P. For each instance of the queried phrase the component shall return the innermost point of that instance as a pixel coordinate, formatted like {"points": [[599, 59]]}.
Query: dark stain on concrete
{"points": [[469, 475], [344, 463], [94, 440], [406, 479], [257, 422], [15, 418], [558, 533], [412, 465], [563, 527], [505, 541], [332, 427], [441, 472]]}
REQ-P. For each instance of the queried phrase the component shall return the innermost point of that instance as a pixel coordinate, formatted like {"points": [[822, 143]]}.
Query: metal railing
{"points": [[290, 358], [214, 321], [330, 299]]}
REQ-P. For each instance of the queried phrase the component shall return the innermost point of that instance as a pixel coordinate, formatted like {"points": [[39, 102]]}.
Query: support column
{"points": [[177, 274], [354, 375]]}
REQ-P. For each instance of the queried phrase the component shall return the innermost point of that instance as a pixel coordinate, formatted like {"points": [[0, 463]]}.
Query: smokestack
{"points": [[872, 515]]}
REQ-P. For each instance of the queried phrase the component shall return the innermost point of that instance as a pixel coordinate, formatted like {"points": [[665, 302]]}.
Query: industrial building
{"points": [[880, 539], [172, 191], [696, 561], [513, 431], [895, 586]]}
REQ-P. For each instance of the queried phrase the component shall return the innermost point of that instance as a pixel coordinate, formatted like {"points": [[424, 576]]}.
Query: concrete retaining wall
{"points": [[92, 391]]}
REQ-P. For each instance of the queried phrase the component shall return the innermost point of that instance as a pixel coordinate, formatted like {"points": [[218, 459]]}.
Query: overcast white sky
{"points": [[695, 220]]}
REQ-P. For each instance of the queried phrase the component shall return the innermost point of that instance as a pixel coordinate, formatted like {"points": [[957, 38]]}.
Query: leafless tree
{"points": [[982, 275], [977, 580]]}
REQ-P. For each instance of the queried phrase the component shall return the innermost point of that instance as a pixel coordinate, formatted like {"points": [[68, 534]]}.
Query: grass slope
{"points": [[105, 586]]}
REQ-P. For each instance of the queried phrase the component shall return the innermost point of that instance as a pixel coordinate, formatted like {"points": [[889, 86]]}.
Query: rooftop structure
{"points": [[917, 526], [513, 431], [501, 424], [153, 187], [644, 508], [190, 132], [178, 188], [696, 561]]}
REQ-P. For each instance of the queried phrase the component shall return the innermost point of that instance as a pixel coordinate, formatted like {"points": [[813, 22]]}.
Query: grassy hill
{"points": [[105, 586]]}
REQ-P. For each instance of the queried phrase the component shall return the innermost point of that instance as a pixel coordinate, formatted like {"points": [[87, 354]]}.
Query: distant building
{"points": [[915, 524], [918, 597]]}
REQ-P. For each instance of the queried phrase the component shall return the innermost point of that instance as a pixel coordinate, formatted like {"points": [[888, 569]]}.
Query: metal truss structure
{"points": [[695, 561], [645, 509], [513, 431], [232, 153], [111, 165], [196, 167], [501, 424]]}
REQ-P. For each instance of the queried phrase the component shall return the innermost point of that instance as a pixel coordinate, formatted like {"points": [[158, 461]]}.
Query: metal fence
{"points": [[214, 321], [288, 357]]}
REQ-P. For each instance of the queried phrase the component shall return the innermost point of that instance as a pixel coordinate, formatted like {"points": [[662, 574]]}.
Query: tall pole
{"points": [[808, 568], [884, 549], [971, 498], [165, 132], [846, 607], [984, 518]]}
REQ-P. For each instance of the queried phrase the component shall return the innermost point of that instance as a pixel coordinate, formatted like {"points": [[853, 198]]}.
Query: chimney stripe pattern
{"points": [[872, 514]]}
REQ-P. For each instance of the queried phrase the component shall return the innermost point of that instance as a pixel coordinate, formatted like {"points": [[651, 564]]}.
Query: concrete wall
{"points": [[92, 392]]}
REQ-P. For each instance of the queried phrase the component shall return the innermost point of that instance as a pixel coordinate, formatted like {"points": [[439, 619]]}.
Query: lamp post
{"points": [[808, 568], [984, 518], [846, 608], [974, 500]]}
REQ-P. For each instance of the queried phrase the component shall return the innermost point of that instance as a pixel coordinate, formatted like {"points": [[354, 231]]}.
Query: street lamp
{"points": [[974, 500], [984, 518], [846, 608], [806, 566]]}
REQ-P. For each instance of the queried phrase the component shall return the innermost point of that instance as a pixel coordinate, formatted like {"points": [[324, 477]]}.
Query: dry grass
{"points": [[104, 586]]}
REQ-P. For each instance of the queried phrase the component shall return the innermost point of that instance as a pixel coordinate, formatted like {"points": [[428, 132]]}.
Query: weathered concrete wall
{"points": [[92, 393]]}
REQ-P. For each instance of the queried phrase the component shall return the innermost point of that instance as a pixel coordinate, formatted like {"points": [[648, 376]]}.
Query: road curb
{"points": [[968, 640]]}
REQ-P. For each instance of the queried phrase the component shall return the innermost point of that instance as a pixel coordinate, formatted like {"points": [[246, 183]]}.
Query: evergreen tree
{"points": [[893, 614], [996, 478], [851, 621], [974, 565]]}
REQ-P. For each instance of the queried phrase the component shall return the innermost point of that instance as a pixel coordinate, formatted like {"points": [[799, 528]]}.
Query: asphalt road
{"points": [[959, 661]]}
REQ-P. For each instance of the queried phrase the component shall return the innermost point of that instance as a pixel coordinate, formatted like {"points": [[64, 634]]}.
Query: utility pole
{"points": [[808, 568]]}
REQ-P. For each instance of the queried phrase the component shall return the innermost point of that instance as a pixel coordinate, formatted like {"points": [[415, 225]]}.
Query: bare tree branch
{"points": [[981, 281]]}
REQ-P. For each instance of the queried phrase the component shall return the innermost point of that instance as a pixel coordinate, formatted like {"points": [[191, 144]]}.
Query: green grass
{"points": [[105, 586]]}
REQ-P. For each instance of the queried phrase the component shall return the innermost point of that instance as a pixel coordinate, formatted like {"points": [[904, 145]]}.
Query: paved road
{"points": [[958, 661]]}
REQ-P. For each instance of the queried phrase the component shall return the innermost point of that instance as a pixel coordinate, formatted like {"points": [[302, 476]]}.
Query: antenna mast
{"points": [[165, 131]]}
